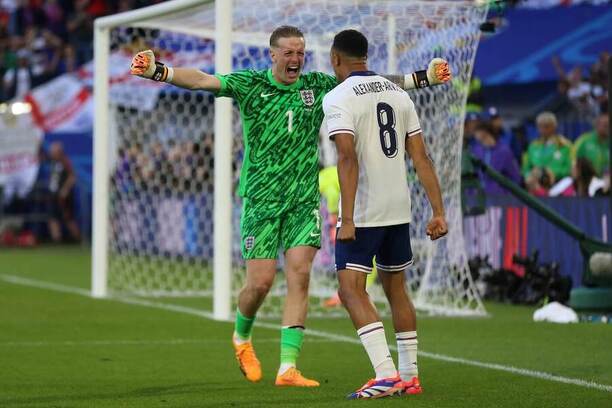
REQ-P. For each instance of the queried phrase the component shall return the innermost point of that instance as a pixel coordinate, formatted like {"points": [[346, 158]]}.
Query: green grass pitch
{"points": [[60, 348]]}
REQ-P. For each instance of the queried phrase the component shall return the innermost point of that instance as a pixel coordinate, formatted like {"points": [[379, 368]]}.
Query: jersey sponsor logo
{"points": [[307, 97], [249, 243], [265, 95]]}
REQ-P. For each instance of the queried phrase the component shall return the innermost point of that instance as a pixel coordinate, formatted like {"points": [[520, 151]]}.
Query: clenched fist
{"points": [[144, 65]]}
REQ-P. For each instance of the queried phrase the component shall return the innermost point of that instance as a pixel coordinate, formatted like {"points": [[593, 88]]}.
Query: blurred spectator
{"points": [[599, 80], [44, 49], [595, 145], [62, 180], [68, 62], [17, 81], [80, 31], [497, 155], [539, 181], [549, 150], [503, 134], [9, 8], [472, 119], [583, 95], [55, 18], [58, 36], [583, 182]]}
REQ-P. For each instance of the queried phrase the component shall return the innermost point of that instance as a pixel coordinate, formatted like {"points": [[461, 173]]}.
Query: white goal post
{"points": [[163, 226], [223, 127]]}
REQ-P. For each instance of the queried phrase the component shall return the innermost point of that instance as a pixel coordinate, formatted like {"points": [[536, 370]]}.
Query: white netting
{"points": [[162, 190]]}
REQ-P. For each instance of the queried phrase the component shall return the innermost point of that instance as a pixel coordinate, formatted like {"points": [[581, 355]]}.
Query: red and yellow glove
{"points": [[438, 72], [144, 65]]}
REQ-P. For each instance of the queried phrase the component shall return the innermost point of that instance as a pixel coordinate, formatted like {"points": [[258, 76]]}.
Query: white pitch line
{"points": [[316, 333]]}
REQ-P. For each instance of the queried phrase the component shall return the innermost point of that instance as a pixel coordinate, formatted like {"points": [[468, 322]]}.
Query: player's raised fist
{"points": [[144, 65], [438, 71]]}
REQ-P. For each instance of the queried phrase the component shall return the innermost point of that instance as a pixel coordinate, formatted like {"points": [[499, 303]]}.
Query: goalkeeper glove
{"points": [[438, 72], [144, 65]]}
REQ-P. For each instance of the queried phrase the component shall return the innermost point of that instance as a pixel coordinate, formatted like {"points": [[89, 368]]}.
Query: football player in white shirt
{"points": [[373, 123]]}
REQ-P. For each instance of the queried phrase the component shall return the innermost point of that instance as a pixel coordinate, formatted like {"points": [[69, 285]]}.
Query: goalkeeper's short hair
{"points": [[285, 31]]}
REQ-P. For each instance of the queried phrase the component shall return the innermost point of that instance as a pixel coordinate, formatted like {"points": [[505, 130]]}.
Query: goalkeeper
{"points": [[281, 115]]}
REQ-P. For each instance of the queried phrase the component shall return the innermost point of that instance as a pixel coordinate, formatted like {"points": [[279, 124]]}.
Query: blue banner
{"points": [[522, 49]]}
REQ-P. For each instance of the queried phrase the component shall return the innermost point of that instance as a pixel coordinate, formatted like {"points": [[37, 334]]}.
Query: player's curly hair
{"points": [[284, 31], [351, 43]]}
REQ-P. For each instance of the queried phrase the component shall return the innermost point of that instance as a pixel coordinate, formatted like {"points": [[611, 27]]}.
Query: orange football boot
{"points": [[249, 364], [413, 386], [293, 378]]}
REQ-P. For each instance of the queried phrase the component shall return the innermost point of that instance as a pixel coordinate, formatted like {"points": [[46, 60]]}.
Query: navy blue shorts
{"points": [[390, 245]]}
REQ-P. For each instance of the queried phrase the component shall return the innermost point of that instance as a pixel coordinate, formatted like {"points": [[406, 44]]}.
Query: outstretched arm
{"points": [[437, 73], [144, 65], [415, 147]]}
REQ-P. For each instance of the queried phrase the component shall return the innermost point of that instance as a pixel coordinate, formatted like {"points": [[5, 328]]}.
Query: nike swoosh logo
{"points": [[314, 234], [265, 95]]}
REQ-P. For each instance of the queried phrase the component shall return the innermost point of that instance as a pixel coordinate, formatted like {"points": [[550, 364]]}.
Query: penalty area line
{"points": [[17, 280]]}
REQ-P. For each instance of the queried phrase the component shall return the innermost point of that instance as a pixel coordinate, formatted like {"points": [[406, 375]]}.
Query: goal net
{"points": [[158, 226]]}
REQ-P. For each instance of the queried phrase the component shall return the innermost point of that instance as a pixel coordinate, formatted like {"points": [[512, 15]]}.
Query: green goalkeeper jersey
{"points": [[281, 133]]}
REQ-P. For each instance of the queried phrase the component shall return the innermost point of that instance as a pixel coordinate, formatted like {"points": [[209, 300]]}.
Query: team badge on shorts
{"points": [[249, 243], [308, 97]]}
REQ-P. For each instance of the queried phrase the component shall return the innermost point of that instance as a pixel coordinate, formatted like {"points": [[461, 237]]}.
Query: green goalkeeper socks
{"points": [[243, 326], [291, 344]]}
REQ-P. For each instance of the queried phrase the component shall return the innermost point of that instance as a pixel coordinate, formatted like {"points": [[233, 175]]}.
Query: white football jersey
{"points": [[380, 115]]}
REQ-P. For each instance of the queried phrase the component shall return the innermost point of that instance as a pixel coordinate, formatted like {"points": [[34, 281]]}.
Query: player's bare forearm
{"points": [[429, 179], [426, 173], [194, 79], [348, 173]]}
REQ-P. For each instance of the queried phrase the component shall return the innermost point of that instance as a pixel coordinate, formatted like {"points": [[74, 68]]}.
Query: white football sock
{"points": [[238, 340], [407, 354], [373, 339], [284, 367]]}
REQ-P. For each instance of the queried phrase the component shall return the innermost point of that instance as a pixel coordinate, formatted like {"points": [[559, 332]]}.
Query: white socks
{"points": [[237, 340], [284, 367], [373, 339], [407, 354]]}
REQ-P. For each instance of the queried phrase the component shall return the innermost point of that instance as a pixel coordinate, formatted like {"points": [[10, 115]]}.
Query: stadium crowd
{"points": [[546, 162], [40, 40]]}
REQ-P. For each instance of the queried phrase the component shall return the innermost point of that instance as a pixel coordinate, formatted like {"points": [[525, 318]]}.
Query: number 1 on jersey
{"points": [[289, 115]]}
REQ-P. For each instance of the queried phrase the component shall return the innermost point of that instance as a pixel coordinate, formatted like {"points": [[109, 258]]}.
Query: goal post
{"points": [[222, 264], [166, 160], [223, 121]]}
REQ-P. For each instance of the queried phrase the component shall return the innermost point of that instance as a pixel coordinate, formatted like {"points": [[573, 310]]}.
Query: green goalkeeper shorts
{"points": [[267, 226]]}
